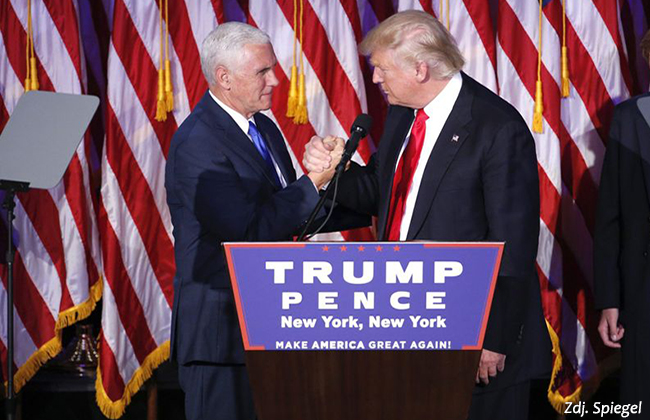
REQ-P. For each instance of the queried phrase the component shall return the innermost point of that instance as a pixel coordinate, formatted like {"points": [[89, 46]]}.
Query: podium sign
{"points": [[364, 295]]}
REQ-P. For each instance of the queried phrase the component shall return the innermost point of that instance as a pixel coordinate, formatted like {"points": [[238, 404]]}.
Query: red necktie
{"points": [[403, 177]]}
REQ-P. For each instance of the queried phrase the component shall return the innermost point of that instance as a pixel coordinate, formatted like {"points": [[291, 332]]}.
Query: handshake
{"points": [[321, 157]]}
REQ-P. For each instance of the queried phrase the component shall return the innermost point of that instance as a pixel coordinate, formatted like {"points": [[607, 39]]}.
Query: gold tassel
{"points": [[565, 60], [565, 73], [34, 80], [28, 79], [169, 90], [292, 100], [301, 116], [293, 93], [538, 118], [161, 107], [161, 104]]}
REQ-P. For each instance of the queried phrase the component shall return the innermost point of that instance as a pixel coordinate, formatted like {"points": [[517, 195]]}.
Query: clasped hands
{"points": [[321, 157]]}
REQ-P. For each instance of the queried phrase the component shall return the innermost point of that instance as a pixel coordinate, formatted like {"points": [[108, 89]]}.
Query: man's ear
{"points": [[422, 71], [222, 77]]}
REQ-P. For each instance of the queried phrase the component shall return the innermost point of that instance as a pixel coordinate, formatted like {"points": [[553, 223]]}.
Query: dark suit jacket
{"points": [[482, 186], [622, 242], [622, 232], [220, 189]]}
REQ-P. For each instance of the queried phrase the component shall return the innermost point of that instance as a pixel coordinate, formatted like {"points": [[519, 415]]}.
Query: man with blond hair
{"points": [[455, 163], [621, 238]]}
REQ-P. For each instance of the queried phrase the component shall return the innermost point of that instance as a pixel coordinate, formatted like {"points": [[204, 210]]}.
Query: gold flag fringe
{"points": [[556, 399], [83, 310], [54, 346], [35, 361], [115, 409]]}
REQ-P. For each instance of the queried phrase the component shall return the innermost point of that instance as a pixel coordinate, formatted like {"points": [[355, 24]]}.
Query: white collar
{"points": [[446, 99], [240, 120]]}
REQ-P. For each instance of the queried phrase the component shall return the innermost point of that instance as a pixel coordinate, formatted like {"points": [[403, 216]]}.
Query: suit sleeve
{"points": [[511, 194], [359, 187], [227, 206], [607, 231]]}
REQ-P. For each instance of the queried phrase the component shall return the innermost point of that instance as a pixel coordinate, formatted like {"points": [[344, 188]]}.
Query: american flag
{"points": [[57, 243], [501, 42]]}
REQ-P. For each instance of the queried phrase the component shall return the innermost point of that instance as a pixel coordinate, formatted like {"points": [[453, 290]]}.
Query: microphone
{"points": [[359, 130]]}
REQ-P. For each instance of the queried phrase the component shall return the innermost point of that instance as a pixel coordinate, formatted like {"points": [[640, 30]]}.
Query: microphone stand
{"points": [[321, 201]]}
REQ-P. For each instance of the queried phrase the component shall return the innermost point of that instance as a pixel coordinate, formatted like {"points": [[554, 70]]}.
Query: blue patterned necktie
{"points": [[260, 144]]}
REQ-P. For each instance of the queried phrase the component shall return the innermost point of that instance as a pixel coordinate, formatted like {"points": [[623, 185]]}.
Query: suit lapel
{"points": [[235, 138], [644, 142], [394, 136], [449, 141]]}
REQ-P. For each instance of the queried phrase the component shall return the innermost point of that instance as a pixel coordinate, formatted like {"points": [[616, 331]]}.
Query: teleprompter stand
{"points": [[36, 147]]}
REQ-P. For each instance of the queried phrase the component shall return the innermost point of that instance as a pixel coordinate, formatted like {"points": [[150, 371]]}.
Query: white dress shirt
{"points": [[244, 123], [438, 111]]}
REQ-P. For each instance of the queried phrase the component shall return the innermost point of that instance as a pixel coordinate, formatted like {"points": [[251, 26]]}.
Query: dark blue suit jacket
{"points": [[220, 189], [480, 184]]}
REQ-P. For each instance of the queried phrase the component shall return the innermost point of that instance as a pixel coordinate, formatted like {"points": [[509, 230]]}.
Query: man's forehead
{"points": [[380, 56]]}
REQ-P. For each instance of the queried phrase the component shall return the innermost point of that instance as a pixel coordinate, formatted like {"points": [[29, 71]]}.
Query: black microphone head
{"points": [[362, 123]]}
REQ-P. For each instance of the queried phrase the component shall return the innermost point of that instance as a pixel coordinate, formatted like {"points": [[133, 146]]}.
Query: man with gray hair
{"points": [[455, 163], [228, 177]]}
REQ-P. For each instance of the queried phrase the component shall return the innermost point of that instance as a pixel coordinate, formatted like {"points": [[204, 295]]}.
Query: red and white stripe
{"points": [[57, 260], [570, 152], [137, 242]]}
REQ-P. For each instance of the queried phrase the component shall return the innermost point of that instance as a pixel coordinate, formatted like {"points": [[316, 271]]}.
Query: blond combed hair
{"points": [[415, 36]]}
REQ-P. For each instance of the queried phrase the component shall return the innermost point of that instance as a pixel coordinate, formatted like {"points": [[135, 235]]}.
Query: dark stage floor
{"points": [[53, 395]]}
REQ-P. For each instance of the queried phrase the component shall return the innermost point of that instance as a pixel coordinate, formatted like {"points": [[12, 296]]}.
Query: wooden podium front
{"points": [[362, 385], [363, 331]]}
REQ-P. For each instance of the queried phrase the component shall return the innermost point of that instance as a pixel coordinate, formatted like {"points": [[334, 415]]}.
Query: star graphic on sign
{"points": [[326, 248], [378, 248], [361, 248], [396, 248], [344, 248]]}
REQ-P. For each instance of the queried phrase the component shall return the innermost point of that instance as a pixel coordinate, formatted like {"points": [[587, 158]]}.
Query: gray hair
{"points": [[416, 36], [223, 46]]}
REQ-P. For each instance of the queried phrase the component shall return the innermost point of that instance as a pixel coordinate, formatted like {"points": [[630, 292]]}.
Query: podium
{"points": [[363, 331]]}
